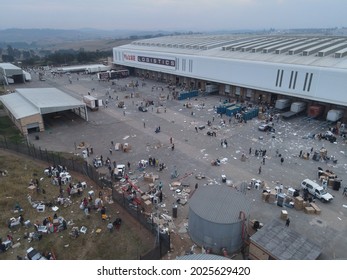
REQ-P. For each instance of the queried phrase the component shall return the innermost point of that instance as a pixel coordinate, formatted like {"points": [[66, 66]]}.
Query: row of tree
{"points": [[34, 58]]}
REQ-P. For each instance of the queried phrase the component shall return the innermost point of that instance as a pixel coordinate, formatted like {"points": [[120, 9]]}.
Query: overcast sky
{"points": [[183, 15]]}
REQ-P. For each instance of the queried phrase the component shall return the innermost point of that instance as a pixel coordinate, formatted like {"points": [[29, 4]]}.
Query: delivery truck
{"points": [[92, 102]]}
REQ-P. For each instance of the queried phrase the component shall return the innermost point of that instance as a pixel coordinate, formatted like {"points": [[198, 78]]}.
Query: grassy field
{"points": [[9, 131], [129, 242]]}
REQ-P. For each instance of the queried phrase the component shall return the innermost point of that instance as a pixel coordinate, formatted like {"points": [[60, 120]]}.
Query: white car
{"points": [[316, 190]]}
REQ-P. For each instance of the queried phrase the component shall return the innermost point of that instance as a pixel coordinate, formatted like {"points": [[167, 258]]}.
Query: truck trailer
{"points": [[92, 102], [295, 109], [282, 104], [334, 115]]}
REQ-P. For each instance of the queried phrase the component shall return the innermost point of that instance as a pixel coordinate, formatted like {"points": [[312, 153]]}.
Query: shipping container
{"points": [[92, 102], [315, 111]]}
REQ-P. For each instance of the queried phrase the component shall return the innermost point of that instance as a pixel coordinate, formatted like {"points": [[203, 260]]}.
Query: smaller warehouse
{"points": [[27, 106], [89, 69], [10, 74], [275, 241]]}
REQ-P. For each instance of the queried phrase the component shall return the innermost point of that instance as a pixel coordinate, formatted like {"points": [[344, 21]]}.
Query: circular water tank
{"points": [[217, 218]]}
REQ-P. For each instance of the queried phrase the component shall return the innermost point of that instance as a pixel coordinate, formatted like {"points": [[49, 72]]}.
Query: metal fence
{"points": [[162, 244]]}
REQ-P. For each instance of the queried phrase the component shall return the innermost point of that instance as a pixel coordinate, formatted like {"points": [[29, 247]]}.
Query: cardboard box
{"points": [[316, 208], [299, 199], [284, 214], [298, 206], [272, 198], [299, 203], [265, 196], [147, 205], [309, 210], [149, 178]]}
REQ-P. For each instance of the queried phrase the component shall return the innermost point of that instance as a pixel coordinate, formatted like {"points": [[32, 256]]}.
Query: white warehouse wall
{"points": [[322, 83]]}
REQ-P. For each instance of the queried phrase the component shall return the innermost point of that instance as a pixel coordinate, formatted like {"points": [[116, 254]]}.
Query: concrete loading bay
{"points": [[194, 151]]}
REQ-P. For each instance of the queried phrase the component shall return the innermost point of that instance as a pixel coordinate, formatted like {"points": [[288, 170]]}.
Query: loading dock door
{"points": [[33, 127]]}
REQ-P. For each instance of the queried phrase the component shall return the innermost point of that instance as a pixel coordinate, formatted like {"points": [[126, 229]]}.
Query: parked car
{"points": [[266, 127], [316, 190], [143, 109], [33, 254]]}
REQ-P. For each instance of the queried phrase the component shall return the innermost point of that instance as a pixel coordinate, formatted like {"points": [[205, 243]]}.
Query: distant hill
{"points": [[97, 39], [41, 37]]}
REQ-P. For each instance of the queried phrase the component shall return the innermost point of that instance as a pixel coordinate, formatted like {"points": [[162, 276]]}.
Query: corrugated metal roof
{"points": [[219, 204], [18, 106], [30, 101], [49, 100], [9, 66], [9, 69], [82, 67], [222, 46], [284, 243], [203, 257]]}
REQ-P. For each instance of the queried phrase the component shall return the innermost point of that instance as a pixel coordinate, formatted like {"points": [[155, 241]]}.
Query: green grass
{"points": [[131, 241], [9, 131]]}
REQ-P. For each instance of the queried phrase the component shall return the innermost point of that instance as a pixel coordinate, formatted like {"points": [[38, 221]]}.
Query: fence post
{"points": [[34, 149], [47, 159], [87, 168], [40, 153], [28, 148]]}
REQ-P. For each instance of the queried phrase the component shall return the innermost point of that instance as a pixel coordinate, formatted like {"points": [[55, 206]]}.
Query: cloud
{"points": [[173, 14]]}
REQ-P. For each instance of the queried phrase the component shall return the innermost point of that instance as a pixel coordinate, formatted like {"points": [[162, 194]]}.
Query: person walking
{"points": [[344, 192], [144, 125], [282, 160], [172, 147], [259, 171], [287, 222], [263, 160]]}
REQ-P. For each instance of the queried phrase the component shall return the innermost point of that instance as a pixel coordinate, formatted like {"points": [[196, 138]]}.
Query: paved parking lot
{"points": [[194, 150]]}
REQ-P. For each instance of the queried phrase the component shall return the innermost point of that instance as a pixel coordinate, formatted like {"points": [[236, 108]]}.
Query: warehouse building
{"points": [[247, 68], [27, 107]]}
